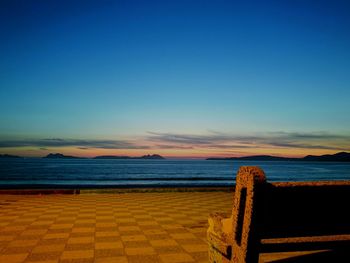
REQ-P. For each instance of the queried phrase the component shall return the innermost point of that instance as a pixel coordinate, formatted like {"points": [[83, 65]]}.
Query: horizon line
{"points": [[171, 157]]}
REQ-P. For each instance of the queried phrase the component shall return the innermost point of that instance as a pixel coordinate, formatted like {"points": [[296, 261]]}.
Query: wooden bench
{"points": [[276, 217]]}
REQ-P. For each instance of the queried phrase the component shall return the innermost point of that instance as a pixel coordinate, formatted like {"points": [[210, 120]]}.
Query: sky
{"points": [[180, 78]]}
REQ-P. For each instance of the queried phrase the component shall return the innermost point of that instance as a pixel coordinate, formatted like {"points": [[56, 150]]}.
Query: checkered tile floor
{"points": [[130, 227]]}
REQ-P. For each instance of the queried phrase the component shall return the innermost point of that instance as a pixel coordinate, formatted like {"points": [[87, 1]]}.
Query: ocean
{"points": [[86, 173]]}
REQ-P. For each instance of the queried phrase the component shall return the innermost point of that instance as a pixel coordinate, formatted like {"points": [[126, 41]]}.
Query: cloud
{"points": [[231, 146], [311, 135], [211, 140], [168, 146], [82, 144], [187, 138], [312, 140]]}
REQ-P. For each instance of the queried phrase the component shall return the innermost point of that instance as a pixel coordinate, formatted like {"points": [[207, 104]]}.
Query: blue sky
{"points": [[124, 71]]}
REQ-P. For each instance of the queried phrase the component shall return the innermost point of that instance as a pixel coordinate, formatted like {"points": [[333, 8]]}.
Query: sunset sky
{"points": [[179, 78]]}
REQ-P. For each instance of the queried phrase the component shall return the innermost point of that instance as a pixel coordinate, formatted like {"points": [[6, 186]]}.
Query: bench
{"points": [[279, 217]]}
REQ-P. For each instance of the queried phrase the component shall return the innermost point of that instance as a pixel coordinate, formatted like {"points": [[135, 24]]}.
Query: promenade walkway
{"points": [[121, 227], [167, 227]]}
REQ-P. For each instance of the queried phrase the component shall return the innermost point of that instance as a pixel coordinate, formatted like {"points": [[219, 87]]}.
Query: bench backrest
{"points": [[286, 212], [304, 209]]}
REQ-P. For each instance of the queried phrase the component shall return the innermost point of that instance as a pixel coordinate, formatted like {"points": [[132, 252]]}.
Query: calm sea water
{"points": [[107, 173]]}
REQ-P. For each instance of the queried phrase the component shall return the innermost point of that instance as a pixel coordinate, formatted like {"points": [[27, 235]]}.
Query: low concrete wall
{"points": [[114, 190]]}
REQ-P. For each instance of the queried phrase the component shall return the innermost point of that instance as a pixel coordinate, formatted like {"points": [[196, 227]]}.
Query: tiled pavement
{"points": [[130, 227]]}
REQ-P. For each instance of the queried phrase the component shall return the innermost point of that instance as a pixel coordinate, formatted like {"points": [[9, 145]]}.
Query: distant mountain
{"points": [[153, 156], [338, 157], [60, 156], [148, 156], [9, 156]]}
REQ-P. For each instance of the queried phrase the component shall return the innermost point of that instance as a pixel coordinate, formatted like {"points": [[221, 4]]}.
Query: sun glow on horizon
{"points": [[185, 145]]}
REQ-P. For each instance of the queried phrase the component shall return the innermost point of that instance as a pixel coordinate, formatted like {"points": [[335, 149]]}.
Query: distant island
{"points": [[9, 156], [148, 156], [338, 157], [60, 156]]}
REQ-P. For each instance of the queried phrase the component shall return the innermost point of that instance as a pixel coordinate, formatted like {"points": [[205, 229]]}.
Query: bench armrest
{"points": [[220, 225], [218, 235]]}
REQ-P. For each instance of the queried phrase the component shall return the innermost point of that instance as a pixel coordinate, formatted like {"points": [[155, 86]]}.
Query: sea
{"points": [[105, 173]]}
